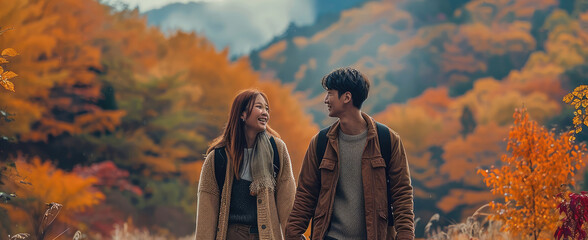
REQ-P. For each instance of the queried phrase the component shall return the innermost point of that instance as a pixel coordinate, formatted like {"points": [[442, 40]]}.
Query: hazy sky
{"points": [[241, 25], [146, 5]]}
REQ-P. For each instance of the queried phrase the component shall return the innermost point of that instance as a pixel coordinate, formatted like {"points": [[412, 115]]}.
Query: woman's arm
{"points": [[285, 185], [306, 194], [207, 210]]}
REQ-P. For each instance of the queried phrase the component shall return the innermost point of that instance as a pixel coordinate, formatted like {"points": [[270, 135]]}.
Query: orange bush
{"points": [[37, 183], [540, 164]]}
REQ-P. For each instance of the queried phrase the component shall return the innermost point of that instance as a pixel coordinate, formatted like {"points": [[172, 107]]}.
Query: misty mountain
{"points": [[244, 26]]}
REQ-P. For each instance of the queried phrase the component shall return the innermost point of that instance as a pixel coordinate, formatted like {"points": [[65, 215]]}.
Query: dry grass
{"points": [[478, 226], [45, 232], [125, 232]]}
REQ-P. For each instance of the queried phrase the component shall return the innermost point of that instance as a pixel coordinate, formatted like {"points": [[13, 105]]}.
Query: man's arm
{"points": [[401, 190], [306, 195]]}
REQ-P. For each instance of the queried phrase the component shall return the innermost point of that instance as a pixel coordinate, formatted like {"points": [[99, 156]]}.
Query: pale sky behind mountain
{"points": [[146, 5], [240, 25]]}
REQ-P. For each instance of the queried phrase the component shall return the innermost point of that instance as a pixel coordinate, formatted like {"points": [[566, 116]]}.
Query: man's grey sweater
{"points": [[348, 219]]}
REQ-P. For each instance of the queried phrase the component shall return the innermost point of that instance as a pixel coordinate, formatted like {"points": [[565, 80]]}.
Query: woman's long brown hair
{"points": [[233, 136]]}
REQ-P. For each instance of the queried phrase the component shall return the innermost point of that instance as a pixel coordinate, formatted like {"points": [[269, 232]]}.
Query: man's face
{"points": [[334, 103]]}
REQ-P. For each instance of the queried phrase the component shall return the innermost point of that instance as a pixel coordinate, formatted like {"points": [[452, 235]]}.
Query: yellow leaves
{"points": [[578, 98], [8, 75], [5, 76], [8, 85], [9, 52]]}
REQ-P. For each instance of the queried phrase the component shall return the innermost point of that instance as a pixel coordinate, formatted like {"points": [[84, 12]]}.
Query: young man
{"points": [[344, 191]]}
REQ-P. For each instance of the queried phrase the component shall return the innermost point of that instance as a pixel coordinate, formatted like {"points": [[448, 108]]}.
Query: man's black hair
{"points": [[348, 80]]}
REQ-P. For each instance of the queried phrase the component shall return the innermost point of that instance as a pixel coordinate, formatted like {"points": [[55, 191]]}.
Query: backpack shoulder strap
{"points": [[220, 167], [321, 144], [385, 145], [276, 157]]}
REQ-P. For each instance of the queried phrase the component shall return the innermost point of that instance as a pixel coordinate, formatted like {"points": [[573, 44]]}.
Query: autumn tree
{"points": [[58, 63], [540, 164]]}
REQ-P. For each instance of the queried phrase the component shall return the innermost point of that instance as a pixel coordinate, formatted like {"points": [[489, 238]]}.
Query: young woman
{"points": [[255, 200]]}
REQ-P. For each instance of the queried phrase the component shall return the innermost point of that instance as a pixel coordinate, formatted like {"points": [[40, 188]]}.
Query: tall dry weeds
{"points": [[44, 226], [128, 232], [476, 227]]}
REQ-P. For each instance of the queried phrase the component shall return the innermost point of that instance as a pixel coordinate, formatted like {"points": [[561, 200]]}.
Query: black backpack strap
{"points": [[385, 145], [220, 167], [321, 144], [276, 157]]}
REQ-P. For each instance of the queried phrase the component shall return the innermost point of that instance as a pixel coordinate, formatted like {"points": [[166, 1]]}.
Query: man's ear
{"points": [[347, 97]]}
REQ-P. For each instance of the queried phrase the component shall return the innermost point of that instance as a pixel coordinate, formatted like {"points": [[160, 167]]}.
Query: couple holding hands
{"points": [[354, 182]]}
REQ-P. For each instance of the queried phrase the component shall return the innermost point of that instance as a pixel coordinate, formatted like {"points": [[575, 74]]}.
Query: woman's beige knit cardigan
{"points": [[273, 208]]}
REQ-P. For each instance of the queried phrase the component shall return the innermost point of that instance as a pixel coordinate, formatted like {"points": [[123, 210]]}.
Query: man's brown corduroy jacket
{"points": [[315, 193]]}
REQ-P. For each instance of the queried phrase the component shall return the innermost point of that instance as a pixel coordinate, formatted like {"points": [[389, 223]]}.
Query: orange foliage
{"points": [[532, 176], [492, 101], [58, 65], [432, 120], [457, 197], [41, 182], [497, 11], [189, 101], [480, 148]]}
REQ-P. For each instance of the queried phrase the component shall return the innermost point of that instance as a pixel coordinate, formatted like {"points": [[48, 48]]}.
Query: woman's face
{"points": [[259, 117]]}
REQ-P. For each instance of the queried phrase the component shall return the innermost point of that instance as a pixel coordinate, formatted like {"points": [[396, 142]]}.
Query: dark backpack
{"points": [[220, 164], [385, 142]]}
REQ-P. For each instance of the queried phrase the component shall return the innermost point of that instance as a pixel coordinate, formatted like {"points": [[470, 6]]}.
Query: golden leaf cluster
{"points": [[5, 76], [579, 99]]}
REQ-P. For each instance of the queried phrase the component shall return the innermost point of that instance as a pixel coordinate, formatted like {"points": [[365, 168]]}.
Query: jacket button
{"points": [[259, 201], [262, 226]]}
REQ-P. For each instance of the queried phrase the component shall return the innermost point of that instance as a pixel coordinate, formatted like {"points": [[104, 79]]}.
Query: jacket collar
{"points": [[371, 124]]}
